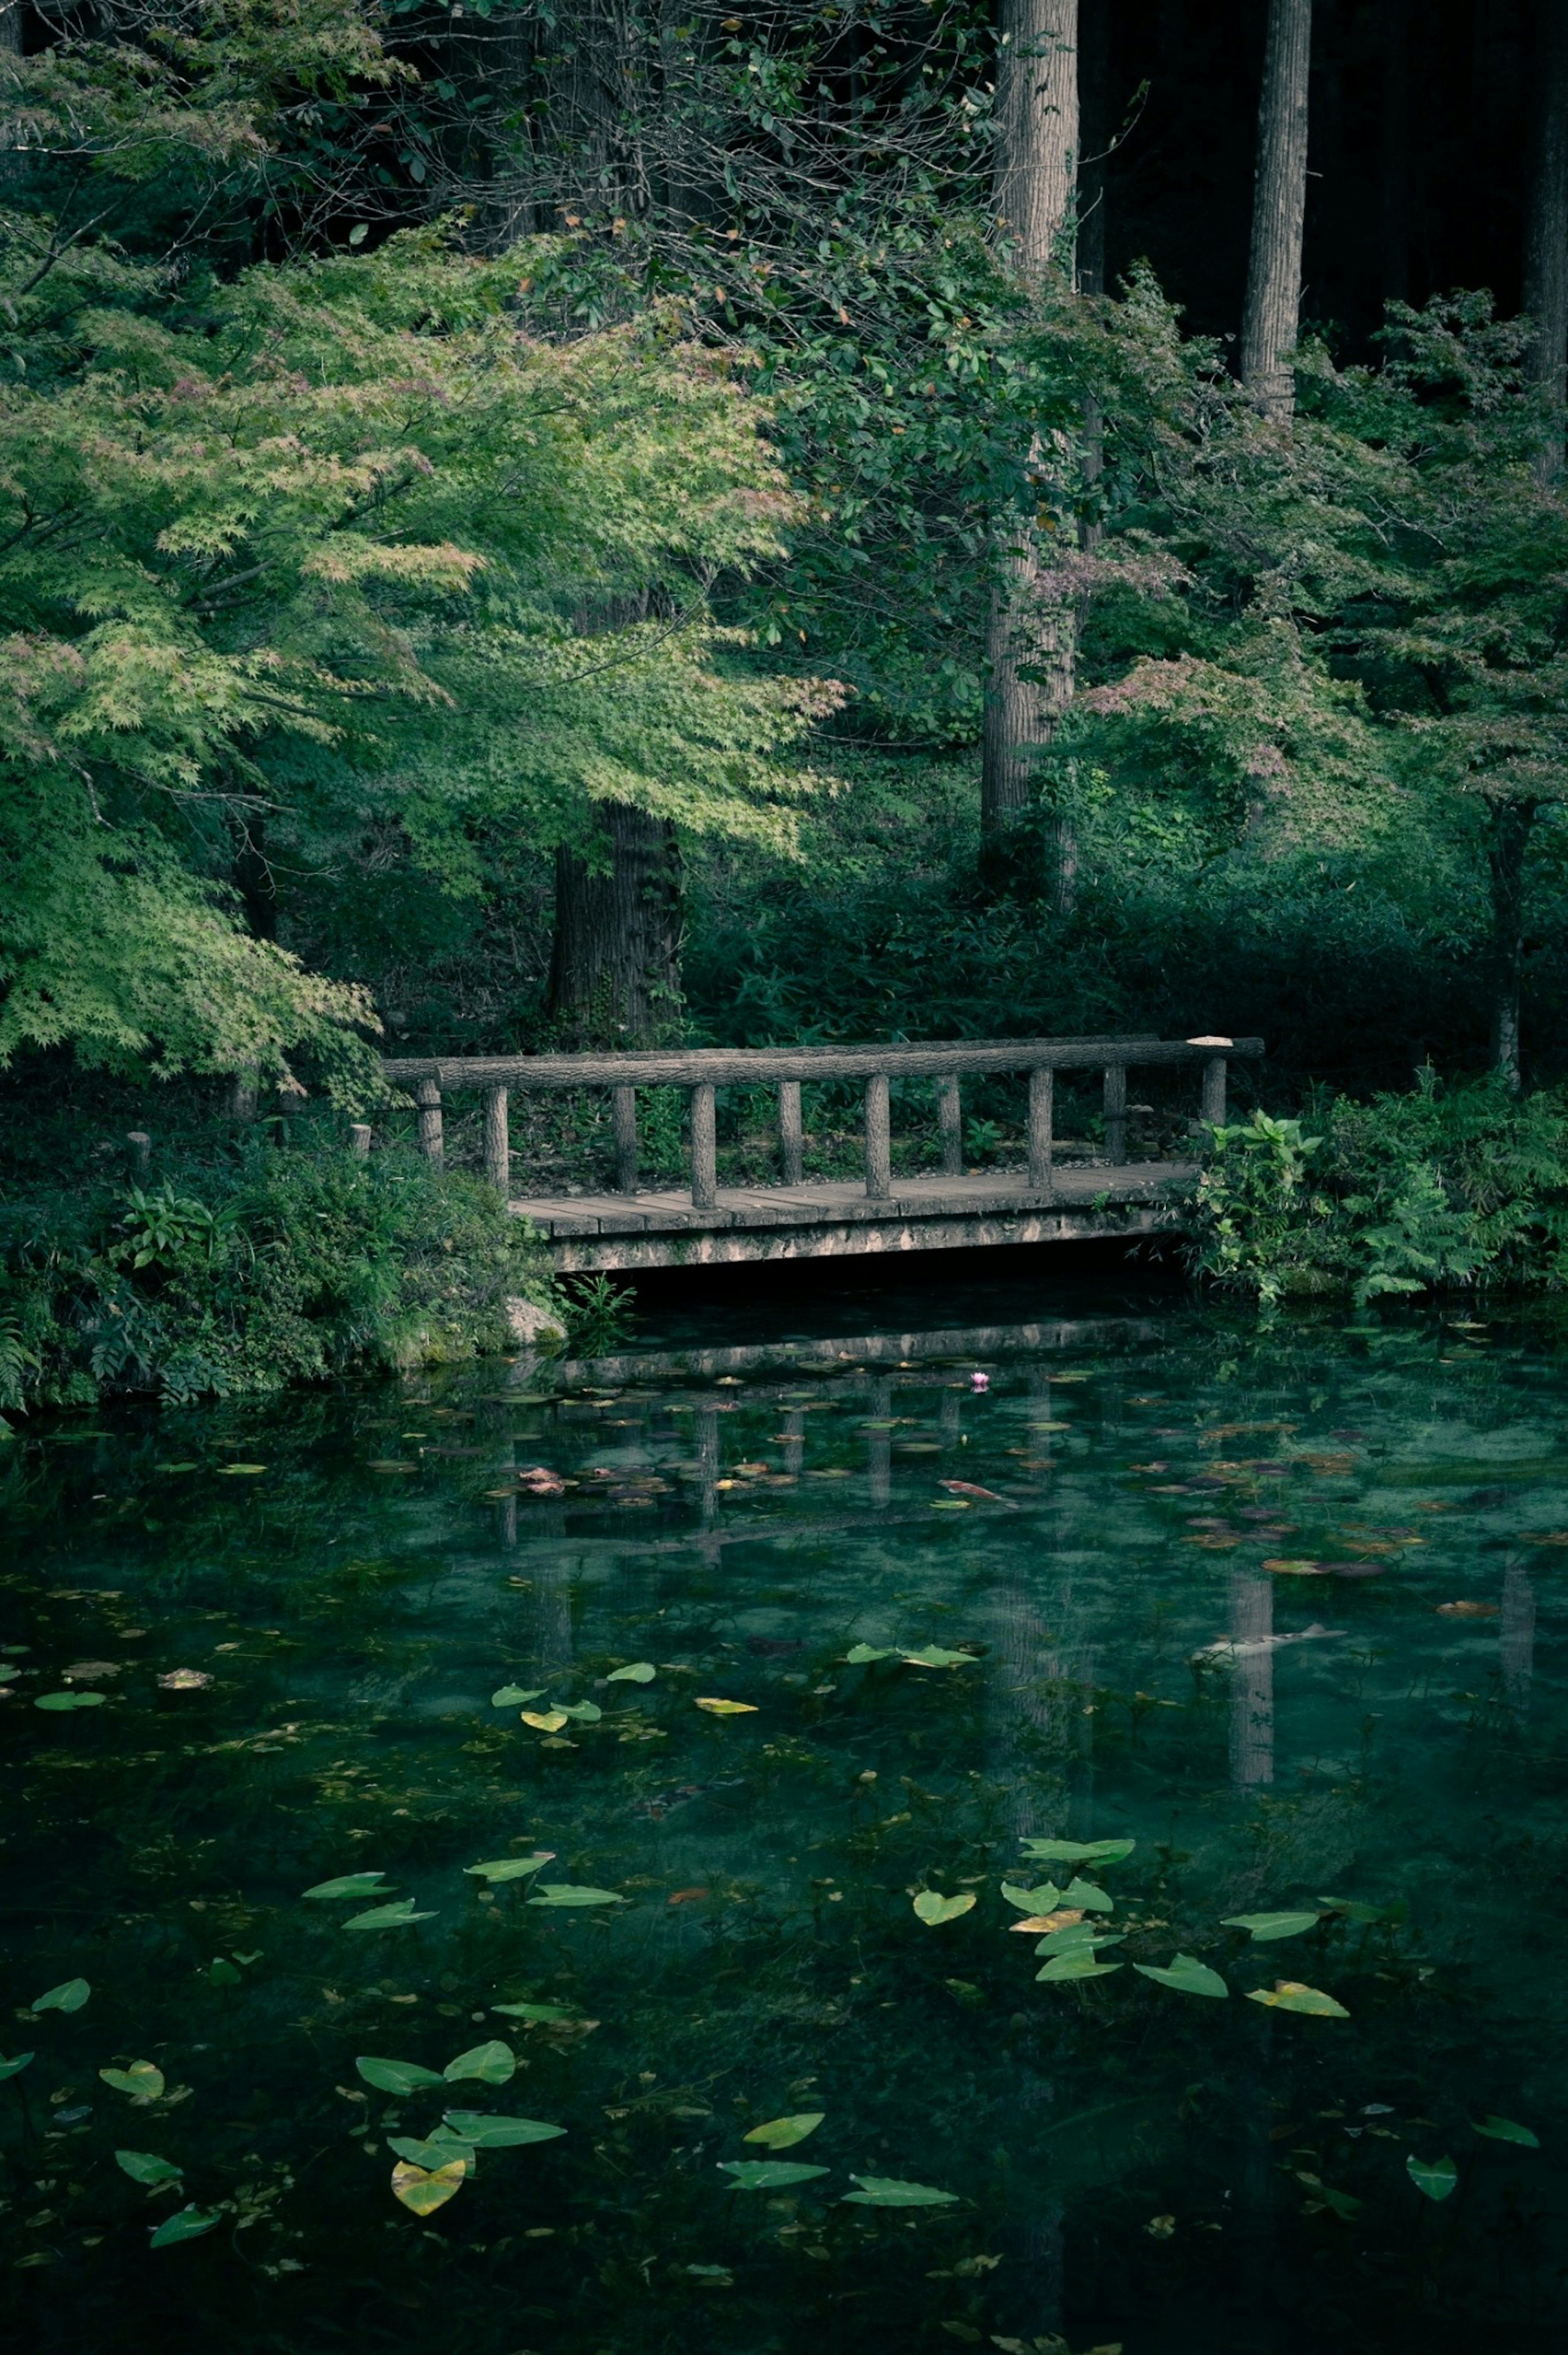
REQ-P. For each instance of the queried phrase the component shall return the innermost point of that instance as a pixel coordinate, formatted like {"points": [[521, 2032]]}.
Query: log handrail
{"points": [[701, 1070]]}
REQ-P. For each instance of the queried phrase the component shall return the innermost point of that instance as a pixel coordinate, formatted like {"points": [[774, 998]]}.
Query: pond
{"points": [[1005, 1817]]}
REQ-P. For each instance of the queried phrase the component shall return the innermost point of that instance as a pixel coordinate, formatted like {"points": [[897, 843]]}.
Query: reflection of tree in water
{"points": [[1252, 1683], [1516, 1635]]}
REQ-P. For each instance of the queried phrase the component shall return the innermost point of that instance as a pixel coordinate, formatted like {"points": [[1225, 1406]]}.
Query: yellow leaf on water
{"points": [[727, 1708], [423, 2189], [1048, 1922], [545, 1720]]}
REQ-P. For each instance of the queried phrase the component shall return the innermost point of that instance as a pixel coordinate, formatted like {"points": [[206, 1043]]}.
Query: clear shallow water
{"points": [[740, 1509]]}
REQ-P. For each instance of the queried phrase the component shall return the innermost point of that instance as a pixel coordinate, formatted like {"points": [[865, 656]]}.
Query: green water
{"points": [[298, 1617]]}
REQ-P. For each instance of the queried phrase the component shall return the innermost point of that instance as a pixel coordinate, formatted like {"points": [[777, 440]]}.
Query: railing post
{"points": [[792, 1136], [140, 1146], [623, 1121], [429, 1097], [1041, 1107], [950, 1124], [704, 1148], [360, 1139], [497, 1142], [878, 1144], [1116, 1114], [1215, 1091]]}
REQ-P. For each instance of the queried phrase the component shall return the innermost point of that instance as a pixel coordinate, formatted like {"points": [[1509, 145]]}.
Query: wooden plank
{"points": [[724, 1066]]}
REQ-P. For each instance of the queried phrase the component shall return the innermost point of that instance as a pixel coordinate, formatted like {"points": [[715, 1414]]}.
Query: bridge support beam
{"points": [[623, 1124], [950, 1124], [704, 1148], [429, 1098], [1042, 1112], [878, 1139], [792, 1136], [1116, 1114], [497, 1142]]}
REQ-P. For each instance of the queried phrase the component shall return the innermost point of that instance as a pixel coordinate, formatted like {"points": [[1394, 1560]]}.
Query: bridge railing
{"points": [[701, 1070]]}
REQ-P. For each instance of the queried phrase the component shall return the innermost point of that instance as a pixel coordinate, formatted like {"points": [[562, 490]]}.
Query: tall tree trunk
{"points": [[1509, 827], [1093, 133], [1273, 319], [1545, 285], [615, 976], [1035, 166]]}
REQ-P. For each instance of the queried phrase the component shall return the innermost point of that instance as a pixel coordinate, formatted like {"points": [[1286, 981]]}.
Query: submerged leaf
{"points": [[11, 2068], [1436, 2178], [1289, 1994], [1087, 1897], [486, 2132], [1065, 1851], [1044, 1900], [581, 1712], [514, 1697], [187, 2225], [388, 1917], [1505, 2130], [935, 1655], [889, 2192], [538, 2014], [70, 1996], [781, 2134], [1186, 1975], [510, 1867], [422, 2189], [716, 1708], [933, 1908], [1077, 1963], [569, 1892], [143, 2081], [860, 1656], [639, 1672], [144, 2167], [1272, 1925], [396, 2076], [767, 2174], [441, 2150], [545, 1720], [494, 2064], [350, 1884]]}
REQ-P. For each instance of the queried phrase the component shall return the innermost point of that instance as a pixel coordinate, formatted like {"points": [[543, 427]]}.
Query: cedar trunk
{"points": [[1511, 826], [1546, 225], [615, 976], [1272, 324], [1028, 657]]}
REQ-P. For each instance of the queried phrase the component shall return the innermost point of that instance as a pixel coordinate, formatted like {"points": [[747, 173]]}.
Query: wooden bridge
{"points": [[1066, 1191]]}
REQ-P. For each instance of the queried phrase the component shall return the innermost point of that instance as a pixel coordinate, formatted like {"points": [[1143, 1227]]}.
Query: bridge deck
{"points": [[593, 1232]]}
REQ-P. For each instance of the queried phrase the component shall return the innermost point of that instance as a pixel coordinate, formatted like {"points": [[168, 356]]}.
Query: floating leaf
{"points": [[69, 1700], [641, 1672], [491, 2064], [487, 2133], [582, 1712], [1078, 1938], [510, 1868], [1289, 1994], [1090, 1900], [1062, 1851], [184, 1680], [935, 1656], [1354, 1910], [767, 2174], [569, 1892], [1078, 1963], [933, 1908], [514, 1696], [350, 1884], [190, 2224], [1061, 1918], [423, 2189], [223, 1972], [1291, 1567], [888, 2192], [1505, 2130], [545, 1720], [242, 1471], [441, 2150], [860, 1656], [143, 2081], [779, 2133], [396, 2076], [716, 1708], [1265, 1926], [538, 2014], [1437, 2179], [388, 1917], [1186, 1975], [143, 2166], [1044, 1900], [11, 2068], [70, 1996]]}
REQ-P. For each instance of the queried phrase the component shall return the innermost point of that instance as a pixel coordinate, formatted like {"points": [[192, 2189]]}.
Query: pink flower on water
{"points": [[979, 1382]]}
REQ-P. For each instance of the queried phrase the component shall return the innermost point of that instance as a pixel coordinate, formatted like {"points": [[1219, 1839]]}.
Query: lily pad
{"points": [[350, 1884], [1505, 2130], [1087, 1897], [1078, 1938], [488, 2133], [779, 2133], [396, 2076], [190, 2224], [545, 1720], [1265, 1926], [1289, 1994], [719, 1708], [69, 1700], [510, 1867], [514, 1697], [13, 2067], [70, 1996], [935, 1655], [1185, 1976], [860, 1656], [423, 2189], [570, 1892], [1044, 1900], [143, 2081], [1078, 1963], [493, 2063], [933, 1908], [767, 2174], [890, 2191], [1436, 2177], [639, 1672], [1064, 1851], [582, 1712], [388, 1917], [144, 2167]]}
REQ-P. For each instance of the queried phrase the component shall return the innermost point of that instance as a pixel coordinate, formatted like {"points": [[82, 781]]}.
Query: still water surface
{"points": [[1273, 1621]]}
